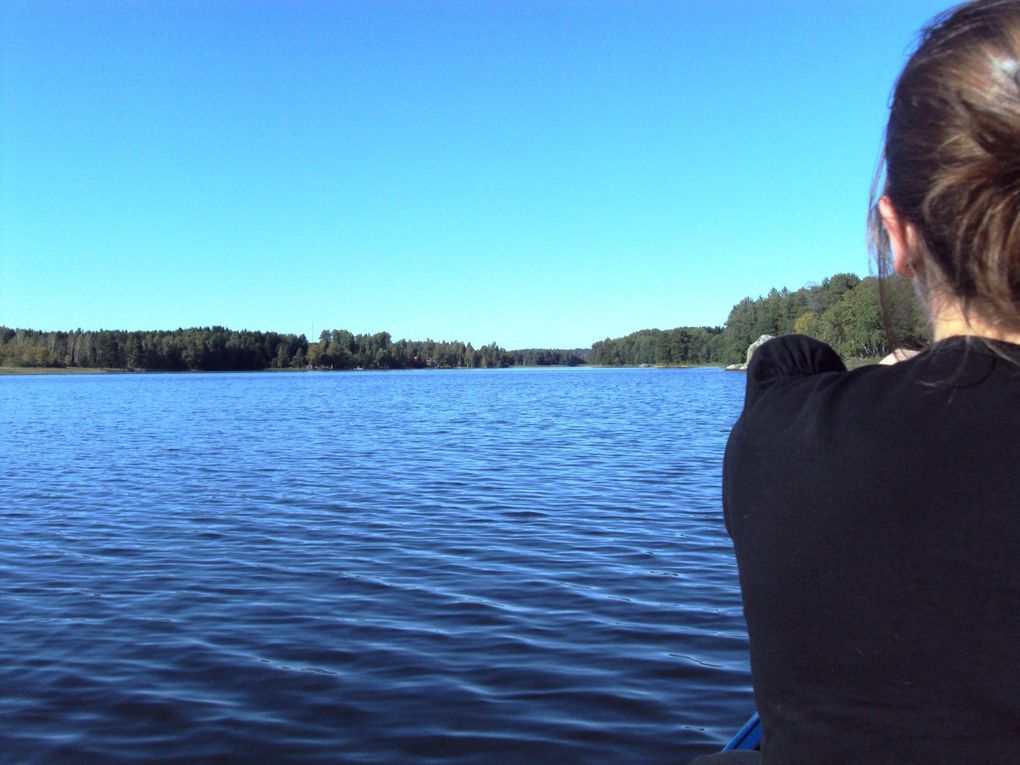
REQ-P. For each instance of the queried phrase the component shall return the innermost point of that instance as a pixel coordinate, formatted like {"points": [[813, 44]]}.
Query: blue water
{"points": [[505, 566]]}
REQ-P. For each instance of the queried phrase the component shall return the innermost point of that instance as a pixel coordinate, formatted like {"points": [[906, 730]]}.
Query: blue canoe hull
{"points": [[748, 737]]}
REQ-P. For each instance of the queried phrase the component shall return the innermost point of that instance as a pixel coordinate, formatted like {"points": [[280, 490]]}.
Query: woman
{"points": [[875, 513]]}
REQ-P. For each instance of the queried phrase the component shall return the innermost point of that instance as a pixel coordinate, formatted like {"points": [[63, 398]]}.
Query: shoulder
{"points": [[794, 354], [950, 386], [788, 357], [800, 391]]}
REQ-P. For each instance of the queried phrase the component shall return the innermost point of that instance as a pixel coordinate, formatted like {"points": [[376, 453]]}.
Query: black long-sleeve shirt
{"points": [[875, 516]]}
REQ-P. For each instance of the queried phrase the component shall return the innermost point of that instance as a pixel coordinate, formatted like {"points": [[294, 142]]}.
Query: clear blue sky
{"points": [[539, 173]]}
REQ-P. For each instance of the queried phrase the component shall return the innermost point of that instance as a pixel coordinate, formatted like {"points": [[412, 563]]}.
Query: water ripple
{"points": [[514, 566]]}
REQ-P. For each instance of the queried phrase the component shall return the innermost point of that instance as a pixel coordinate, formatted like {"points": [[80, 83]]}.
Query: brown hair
{"points": [[951, 161]]}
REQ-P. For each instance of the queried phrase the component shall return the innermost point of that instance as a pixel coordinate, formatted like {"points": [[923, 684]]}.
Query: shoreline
{"points": [[38, 371], [29, 371]]}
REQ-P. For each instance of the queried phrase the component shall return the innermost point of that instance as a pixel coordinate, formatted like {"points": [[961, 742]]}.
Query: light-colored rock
{"points": [[762, 339], [750, 352]]}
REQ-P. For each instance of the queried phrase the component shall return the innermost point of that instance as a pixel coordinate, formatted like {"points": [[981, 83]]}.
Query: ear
{"points": [[902, 237]]}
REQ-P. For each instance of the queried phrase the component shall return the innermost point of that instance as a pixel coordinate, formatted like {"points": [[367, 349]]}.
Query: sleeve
{"points": [[788, 356]]}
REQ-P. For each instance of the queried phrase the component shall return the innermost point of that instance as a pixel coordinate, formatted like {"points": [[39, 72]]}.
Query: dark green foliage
{"points": [[683, 345], [843, 310], [778, 312], [846, 313], [549, 357], [205, 348], [219, 349], [904, 314]]}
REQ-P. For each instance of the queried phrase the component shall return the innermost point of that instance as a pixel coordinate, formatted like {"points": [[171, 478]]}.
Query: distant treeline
{"points": [[843, 310], [220, 349], [341, 349], [547, 357], [683, 345]]}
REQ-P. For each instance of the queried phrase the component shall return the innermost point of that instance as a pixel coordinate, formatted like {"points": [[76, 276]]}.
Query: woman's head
{"points": [[951, 196]]}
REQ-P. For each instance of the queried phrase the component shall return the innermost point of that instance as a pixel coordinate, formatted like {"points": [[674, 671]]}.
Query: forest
{"points": [[842, 310], [219, 349]]}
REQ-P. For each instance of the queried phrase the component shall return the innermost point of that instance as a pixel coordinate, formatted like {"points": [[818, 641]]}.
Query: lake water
{"points": [[491, 566]]}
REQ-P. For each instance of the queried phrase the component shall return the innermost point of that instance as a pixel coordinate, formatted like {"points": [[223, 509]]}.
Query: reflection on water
{"points": [[513, 566]]}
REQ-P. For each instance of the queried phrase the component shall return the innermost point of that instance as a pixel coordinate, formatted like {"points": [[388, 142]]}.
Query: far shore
{"points": [[61, 371], [94, 371], [116, 371], [850, 363]]}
